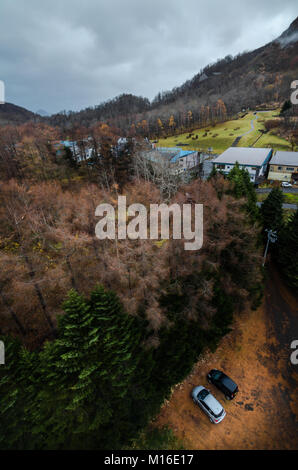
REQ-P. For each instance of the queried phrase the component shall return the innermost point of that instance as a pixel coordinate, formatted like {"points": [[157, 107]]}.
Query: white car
{"points": [[285, 184], [213, 409]]}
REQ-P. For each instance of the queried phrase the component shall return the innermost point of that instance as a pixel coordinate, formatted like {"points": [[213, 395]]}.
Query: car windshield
{"points": [[217, 375], [203, 394]]}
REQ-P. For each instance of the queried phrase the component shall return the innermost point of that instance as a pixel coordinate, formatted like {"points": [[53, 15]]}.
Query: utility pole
{"points": [[271, 237]]}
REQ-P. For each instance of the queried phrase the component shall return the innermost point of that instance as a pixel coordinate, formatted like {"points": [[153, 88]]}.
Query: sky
{"points": [[70, 54]]}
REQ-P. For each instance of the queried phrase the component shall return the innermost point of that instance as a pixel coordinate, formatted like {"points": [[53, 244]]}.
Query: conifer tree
{"points": [[271, 210], [288, 251], [213, 173], [78, 392], [123, 164], [243, 187], [17, 394], [90, 369]]}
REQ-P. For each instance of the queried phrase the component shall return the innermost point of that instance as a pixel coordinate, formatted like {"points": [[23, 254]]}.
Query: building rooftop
{"points": [[174, 153], [244, 156], [68, 143], [285, 158]]}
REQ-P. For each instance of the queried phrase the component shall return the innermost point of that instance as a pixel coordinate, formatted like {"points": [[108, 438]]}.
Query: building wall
{"points": [[284, 168], [188, 162], [252, 170], [279, 176], [282, 172]]}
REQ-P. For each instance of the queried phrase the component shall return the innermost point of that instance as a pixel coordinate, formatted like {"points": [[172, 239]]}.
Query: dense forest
{"points": [[97, 332], [89, 324]]}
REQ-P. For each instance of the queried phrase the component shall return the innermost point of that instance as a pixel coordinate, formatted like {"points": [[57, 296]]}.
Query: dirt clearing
{"points": [[256, 354]]}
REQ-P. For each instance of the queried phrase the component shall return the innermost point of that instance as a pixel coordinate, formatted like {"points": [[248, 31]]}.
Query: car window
{"points": [[217, 375], [207, 407], [216, 415], [203, 394]]}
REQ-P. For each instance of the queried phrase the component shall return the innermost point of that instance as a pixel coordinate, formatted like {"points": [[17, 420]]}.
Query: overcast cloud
{"points": [[70, 54]]}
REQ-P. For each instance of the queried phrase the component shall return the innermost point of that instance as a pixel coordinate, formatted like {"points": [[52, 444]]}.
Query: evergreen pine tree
{"points": [[79, 391], [17, 393], [124, 164], [243, 187], [286, 106], [69, 158], [61, 363], [271, 210], [288, 251], [88, 372]]}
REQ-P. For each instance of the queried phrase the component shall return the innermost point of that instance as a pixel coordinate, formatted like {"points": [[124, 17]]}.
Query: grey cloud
{"points": [[71, 54]]}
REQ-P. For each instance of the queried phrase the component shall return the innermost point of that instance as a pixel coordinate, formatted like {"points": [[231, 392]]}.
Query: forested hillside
{"points": [[12, 114], [259, 78], [97, 332], [93, 322]]}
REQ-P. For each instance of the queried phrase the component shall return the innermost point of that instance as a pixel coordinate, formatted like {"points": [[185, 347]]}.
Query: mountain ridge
{"points": [[247, 80], [13, 114], [251, 79]]}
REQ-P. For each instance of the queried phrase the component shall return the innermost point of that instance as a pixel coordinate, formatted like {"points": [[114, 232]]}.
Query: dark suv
{"points": [[223, 382]]}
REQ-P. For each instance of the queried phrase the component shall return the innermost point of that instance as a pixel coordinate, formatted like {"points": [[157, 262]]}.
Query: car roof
{"points": [[213, 404], [228, 383]]}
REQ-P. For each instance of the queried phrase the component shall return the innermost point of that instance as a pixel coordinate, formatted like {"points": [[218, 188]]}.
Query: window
{"points": [[217, 415], [203, 394], [217, 375], [279, 168], [289, 168]]}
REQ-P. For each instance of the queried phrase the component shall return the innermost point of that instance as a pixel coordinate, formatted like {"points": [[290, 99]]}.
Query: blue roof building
{"points": [[178, 160]]}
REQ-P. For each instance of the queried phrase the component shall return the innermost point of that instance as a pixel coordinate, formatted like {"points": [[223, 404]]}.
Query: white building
{"points": [[185, 160], [254, 160], [176, 160], [122, 141]]}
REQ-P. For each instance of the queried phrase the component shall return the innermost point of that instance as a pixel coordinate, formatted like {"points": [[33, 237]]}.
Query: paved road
{"points": [[284, 206], [252, 127], [256, 354], [284, 190]]}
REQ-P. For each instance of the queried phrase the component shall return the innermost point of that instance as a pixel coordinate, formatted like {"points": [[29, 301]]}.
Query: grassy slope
{"points": [[227, 133]]}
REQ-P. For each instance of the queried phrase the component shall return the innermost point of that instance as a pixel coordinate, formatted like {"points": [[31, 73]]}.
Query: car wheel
{"points": [[228, 398], [208, 380], [210, 420]]}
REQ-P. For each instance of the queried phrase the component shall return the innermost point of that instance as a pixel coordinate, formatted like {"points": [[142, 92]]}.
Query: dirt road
{"points": [[256, 354]]}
